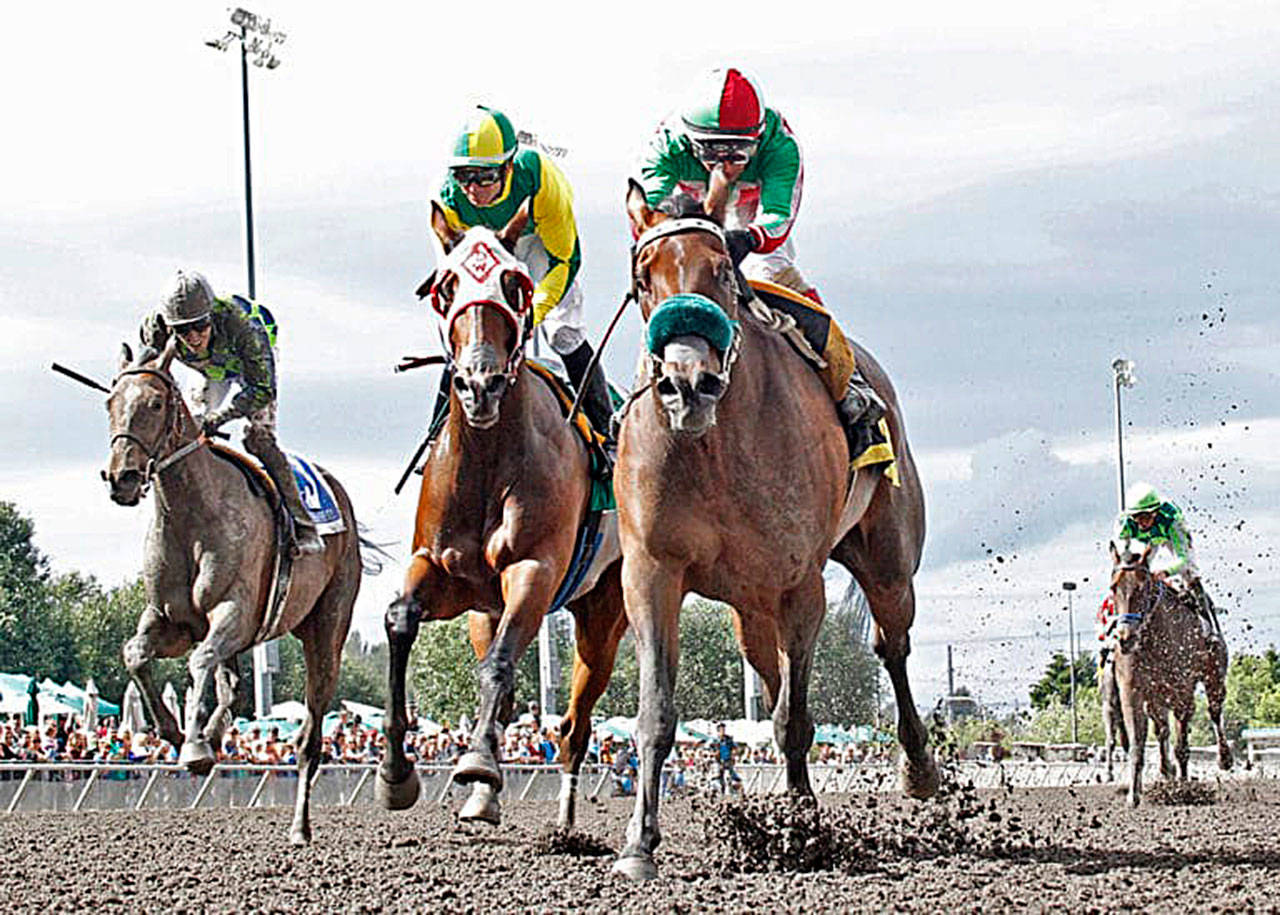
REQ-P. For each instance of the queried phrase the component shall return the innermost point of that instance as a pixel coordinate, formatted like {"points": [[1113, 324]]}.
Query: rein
{"points": [[155, 466]]}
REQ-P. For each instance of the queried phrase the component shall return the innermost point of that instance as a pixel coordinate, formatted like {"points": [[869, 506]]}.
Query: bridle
{"points": [[1152, 597], [678, 226], [156, 465]]}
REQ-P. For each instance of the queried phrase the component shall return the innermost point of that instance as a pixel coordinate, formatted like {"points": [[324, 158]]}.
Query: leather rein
{"points": [[157, 465]]}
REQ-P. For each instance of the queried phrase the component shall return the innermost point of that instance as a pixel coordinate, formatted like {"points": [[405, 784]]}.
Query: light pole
{"points": [[257, 39], [1124, 377], [1070, 586]]}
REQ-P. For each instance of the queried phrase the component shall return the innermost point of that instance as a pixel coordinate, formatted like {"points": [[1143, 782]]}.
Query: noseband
{"points": [[155, 466]]}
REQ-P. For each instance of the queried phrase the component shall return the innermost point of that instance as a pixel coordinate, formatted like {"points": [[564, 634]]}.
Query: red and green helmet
{"points": [[486, 140], [725, 103]]}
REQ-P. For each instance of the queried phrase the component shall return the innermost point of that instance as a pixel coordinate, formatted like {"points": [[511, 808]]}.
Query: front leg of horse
{"points": [[653, 596], [398, 786], [527, 589], [197, 754], [1160, 722], [800, 618], [1215, 688], [1135, 723], [156, 637], [1181, 746]]}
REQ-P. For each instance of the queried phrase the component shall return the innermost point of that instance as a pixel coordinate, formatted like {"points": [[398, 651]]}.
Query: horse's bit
{"points": [[156, 466]]}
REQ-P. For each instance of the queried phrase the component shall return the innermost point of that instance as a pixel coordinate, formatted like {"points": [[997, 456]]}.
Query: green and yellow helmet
{"points": [[1140, 498], [724, 103], [487, 140]]}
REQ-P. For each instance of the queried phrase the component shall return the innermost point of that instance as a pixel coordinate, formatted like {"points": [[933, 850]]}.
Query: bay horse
{"points": [[207, 568], [1112, 715], [505, 489], [1161, 652], [741, 491]]}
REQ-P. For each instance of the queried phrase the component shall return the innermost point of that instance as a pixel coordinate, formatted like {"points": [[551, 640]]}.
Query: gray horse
{"points": [[207, 567]]}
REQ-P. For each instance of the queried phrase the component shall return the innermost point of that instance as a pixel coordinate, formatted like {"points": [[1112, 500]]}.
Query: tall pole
{"points": [[1070, 586], [248, 171], [1124, 378]]}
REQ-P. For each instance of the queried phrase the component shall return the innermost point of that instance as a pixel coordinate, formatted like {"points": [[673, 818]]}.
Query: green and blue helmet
{"points": [[487, 140]]}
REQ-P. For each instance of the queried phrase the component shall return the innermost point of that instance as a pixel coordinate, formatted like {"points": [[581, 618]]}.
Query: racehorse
{"points": [[208, 567], [1112, 715], [740, 490], [505, 490], [1161, 652]]}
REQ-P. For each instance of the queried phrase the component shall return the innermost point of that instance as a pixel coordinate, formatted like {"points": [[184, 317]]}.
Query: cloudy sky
{"points": [[998, 201]]}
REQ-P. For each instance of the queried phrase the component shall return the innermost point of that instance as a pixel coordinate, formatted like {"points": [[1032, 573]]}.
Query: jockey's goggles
{"points": [[481, 175], [735, 151], [198, 326]]}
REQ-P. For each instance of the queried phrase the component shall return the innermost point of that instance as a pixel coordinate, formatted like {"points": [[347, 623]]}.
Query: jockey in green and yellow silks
{"points": [[1149, 520], [490, 178]]}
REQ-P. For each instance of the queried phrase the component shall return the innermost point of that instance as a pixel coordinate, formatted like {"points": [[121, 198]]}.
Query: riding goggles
{"points": [[198, 326], [730, 151], [479, 175]]}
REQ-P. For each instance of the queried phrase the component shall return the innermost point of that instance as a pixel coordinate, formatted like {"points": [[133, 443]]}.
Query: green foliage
{"points": [[442, 670], [843, 684], [1052, 722], [361, 678], [1056, 682], [1253, 692], [965, 732]]}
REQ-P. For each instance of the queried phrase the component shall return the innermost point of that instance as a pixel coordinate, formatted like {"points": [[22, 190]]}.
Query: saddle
{"points": [[817, 338], [261, 485]]}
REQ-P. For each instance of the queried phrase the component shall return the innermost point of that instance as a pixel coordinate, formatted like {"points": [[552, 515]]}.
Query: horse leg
{"points": [[230, 631], [1182, 724], [653, 594], [799, 619], [482, 803], [894, 609], [1135, 723], [1160, 721], [599, 624], [225, 681], [527, 589], [156, 637], [759, 644], [398, 786], [1215, 688], [322, 633]]}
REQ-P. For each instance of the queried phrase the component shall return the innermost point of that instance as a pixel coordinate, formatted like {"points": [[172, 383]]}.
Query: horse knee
{"points": [[136, 653], [402, 618]]}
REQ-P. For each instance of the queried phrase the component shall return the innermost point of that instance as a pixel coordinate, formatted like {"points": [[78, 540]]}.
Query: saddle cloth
{"points": [[317, 495], [826, 339]]}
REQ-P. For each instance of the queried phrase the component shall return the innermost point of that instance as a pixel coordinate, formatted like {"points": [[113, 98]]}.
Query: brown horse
{"points": [[208, 570], [1161, 652], [504, 491], [1112, 715], [741, 491]]}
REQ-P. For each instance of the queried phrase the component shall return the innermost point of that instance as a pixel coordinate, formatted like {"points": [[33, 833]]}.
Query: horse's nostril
{"points": [[710, 385], [495, 384], [667, 387], [459, 384]]}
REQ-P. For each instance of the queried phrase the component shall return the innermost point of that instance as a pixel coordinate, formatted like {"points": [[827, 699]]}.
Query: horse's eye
{"points": [[156, 403]]}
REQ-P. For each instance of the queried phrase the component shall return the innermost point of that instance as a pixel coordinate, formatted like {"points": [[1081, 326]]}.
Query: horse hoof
{"points": [[566, 817], [1225, 761], [197, 757], [399, 795], [919, 780], [636, 868], [482, 806], [477, 767], [299, 837]]}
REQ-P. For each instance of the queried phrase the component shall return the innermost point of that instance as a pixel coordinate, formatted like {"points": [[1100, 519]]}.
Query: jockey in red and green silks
{"points": [[490, 178], [1150, 520], [725, 147]]}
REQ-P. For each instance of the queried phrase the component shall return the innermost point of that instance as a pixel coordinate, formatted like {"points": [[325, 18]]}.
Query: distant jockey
{"points": [[1148, 519], [725, 148], [489, 179], [1106, 621]]}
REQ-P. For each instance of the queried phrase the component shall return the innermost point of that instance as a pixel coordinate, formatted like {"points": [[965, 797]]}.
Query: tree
{"points": [[27, 641], [1253, 692], [1056, 682], [843, 684]]}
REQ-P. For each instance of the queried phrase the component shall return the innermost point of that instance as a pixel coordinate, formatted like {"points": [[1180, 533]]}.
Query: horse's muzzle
{"points": [[480, 386], [126, 486], [688, 386]]}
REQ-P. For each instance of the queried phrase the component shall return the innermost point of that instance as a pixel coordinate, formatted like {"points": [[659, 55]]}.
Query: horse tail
{"points": [[373, 556]]}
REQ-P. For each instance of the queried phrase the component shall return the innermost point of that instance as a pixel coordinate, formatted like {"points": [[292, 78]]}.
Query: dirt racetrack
{"points": [[1078, 850]]}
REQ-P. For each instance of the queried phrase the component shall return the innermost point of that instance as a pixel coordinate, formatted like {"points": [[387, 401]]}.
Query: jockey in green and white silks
{"points": [[725, 124], [489, 179], [1148, 519], [229, 342], [725, 146]]}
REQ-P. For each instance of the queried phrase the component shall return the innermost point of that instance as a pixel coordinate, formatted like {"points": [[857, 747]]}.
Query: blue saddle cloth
{"points": [[317, 497]]}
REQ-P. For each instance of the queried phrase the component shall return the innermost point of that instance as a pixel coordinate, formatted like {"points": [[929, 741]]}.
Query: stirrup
{"points": [[306, 540]]}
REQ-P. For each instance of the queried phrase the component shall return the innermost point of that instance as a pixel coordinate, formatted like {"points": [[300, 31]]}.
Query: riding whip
{"points": [[83, 379], [595, 357]]}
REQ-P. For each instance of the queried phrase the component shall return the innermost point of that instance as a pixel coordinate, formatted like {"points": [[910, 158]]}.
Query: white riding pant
{"points": [[563, 327], [210, 395], [778, 267]]}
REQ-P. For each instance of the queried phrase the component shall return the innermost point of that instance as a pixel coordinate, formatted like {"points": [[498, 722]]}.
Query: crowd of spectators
{"points": [[65, 739]]}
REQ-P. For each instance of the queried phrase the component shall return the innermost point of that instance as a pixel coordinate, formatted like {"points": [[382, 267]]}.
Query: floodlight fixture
{"points": [[1124, 372]]}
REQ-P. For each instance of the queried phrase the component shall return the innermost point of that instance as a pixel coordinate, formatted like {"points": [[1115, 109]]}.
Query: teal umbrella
{"points": [[33, 704]]}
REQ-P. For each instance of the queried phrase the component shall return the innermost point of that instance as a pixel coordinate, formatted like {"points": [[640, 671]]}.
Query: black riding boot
{"points": [[596, 402], [1205, 606], [306, 540], [860, 412]]}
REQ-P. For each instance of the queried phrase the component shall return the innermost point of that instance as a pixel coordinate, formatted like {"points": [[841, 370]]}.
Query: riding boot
{"points": [[1205, 607], [306, 539], [860, 412], [596, 402]]}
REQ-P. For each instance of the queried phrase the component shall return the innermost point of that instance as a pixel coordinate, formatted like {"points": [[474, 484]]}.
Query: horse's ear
{"points": [[425, 289], [170, 350], [511, 232], [448, 235], [1146, 553], [638, 207], [126, 356], [1115, 553]]}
